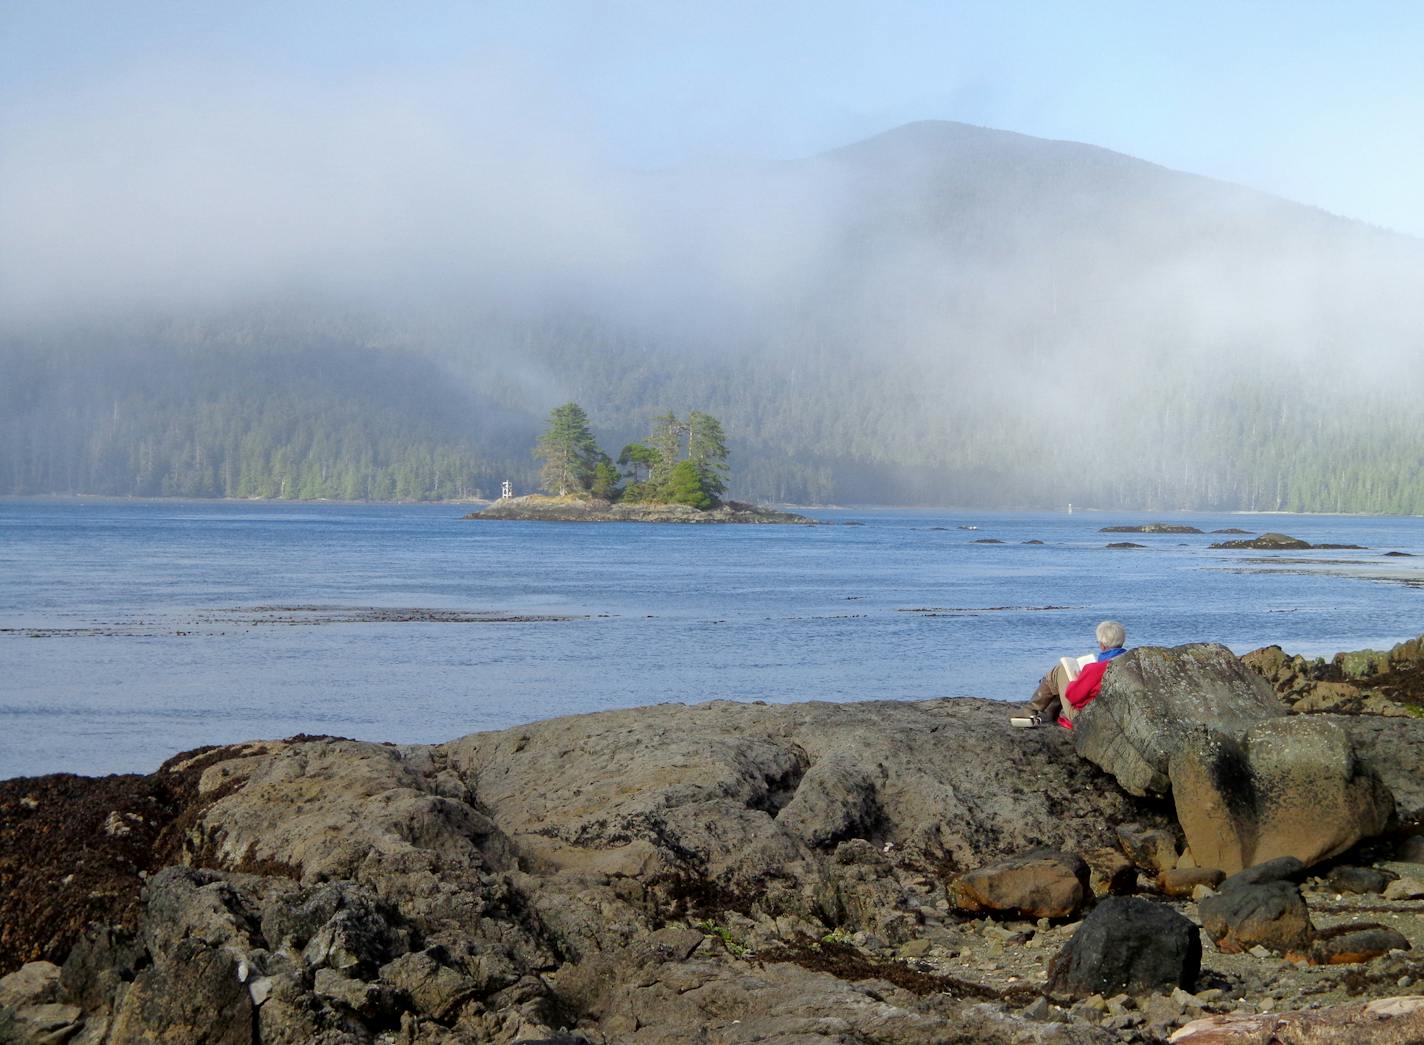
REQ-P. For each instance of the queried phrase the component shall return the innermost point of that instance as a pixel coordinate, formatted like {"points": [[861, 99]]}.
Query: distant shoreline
{"points": [[788, 507]]}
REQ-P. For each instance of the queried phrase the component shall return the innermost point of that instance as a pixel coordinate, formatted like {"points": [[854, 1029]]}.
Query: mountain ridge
{"points": [[905, 319]]}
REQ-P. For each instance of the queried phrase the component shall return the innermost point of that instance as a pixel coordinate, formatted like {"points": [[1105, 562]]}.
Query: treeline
{"points": [[301, 423], [259, 413]]}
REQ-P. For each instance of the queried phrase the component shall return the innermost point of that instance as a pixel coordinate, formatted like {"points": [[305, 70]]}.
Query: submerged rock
{"points": [[1267, 542]]}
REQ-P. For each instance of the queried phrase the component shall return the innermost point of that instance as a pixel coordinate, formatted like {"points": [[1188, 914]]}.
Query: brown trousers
{"points": [[1048, 700]]}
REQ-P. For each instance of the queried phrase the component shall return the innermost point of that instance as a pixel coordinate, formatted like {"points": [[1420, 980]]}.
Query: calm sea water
{"points": [[136, 630]]}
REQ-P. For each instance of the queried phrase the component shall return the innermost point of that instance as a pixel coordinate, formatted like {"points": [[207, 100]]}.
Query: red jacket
{"points": [[1084, 689]]}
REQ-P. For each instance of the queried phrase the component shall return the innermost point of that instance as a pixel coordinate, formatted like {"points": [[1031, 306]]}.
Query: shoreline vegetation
{"points": [[788, 506], [757, 870], [677, 476]]}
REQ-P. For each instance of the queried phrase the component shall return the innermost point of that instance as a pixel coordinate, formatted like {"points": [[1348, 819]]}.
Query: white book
{"points": [[1075, 665]]}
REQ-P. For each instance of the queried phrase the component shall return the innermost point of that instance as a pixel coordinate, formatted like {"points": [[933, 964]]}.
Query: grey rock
{"points": [[34, 983], [1280, 869], [1128, 944], [1153, 697], [1357, 880], [1394, 749], [1411, 850], [432, 987], [190, 994], [44, 1024], [1405, 889]]}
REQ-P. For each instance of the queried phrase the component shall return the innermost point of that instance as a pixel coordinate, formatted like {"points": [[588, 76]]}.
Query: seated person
{"points": [[1060, 696]]}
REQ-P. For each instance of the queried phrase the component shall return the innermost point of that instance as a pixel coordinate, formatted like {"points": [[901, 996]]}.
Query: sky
{"points": [[1321, 103]]}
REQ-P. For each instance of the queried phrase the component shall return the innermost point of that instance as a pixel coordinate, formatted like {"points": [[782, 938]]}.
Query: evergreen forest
{"points": [[943, 315]]}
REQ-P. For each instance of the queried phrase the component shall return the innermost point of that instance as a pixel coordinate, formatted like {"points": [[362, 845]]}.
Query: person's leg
{"points": [[1047, 699]]}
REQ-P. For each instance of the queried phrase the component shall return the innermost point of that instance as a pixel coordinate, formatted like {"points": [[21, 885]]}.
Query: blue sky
{"points": [[1318, 102]]}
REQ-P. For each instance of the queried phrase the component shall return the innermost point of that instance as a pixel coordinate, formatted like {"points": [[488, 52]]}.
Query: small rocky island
{"points": [[539, 508], [678, 475], [1223, 850]]}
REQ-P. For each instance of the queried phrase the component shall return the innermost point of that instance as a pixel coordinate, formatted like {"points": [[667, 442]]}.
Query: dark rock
{"points": [[1399, 555], [1281, 869], [986, 540], [1359, 880], [1125, 544], [1347, 944], [1231, 529], [1267, 542], [1128, 944], [1042, 883], [191, 994], [1151, 849], [1153, 697], [1271, 915], [1411, 849], [1287, 787], [1033, 541]]}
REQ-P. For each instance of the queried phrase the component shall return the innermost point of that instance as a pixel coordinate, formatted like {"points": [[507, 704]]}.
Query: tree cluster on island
{"points": [[681, 462]]}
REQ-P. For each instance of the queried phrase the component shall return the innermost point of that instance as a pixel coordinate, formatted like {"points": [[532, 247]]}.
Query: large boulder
{"points": [[1152, 698], [1288, 787], [1394, 749], [1128, 944]]}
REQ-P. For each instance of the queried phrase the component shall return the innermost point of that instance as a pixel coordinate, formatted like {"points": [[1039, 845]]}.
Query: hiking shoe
{"points": [[1027, 722]]}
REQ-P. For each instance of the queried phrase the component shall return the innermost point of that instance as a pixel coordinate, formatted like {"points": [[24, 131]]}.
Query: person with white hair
{"points": [[1071, 686]]}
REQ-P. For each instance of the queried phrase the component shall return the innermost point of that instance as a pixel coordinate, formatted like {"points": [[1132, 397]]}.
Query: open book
{"points": [[1075, 665]]}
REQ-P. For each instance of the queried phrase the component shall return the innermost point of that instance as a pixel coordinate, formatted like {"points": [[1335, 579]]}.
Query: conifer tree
{"points": [[639, 459], [666, 442], [707, 450], [569, 451]]}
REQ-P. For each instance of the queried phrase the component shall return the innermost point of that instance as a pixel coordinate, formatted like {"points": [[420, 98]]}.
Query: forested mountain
{"points": [[941, 315], [187, 413]]}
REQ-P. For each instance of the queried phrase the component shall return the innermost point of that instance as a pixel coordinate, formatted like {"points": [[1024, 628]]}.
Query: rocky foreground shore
{"points": [[537, 508], [1203, 859]]}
